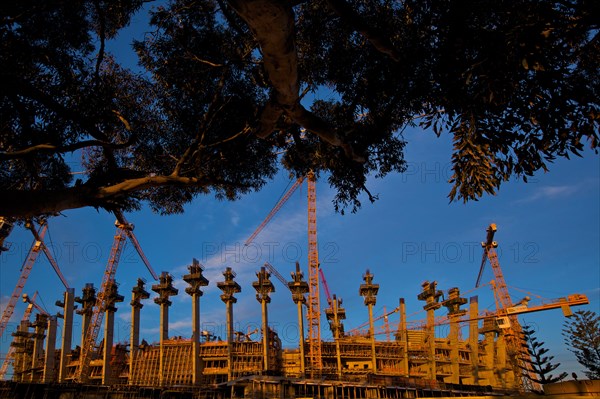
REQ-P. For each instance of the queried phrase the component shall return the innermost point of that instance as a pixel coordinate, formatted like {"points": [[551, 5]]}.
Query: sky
{"points": [[548, 236]]}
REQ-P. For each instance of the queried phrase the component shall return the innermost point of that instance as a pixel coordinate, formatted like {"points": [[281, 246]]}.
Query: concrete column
{"points": [[137, 294], [369, 291], [402, 336], [40, 325], [50, 350], [22, 343], [68, 306], [87, 301], [112, 297], [431, 296], [500, 361], [229, 288], [263, 288], [164, 289], [196, 280], [334, 314], [299, 287], [474, 337], [489, 330], [453, 304]]}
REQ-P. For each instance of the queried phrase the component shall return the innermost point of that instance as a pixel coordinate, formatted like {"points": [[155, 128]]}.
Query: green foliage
{"points": [[515, 82], [582, 336], [540, 364]]}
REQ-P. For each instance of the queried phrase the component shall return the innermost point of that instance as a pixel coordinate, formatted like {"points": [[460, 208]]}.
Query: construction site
{"points": [[412, 361]]}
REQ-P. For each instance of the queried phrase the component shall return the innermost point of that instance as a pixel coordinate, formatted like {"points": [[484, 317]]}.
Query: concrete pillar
{"points": [[402, 336], [50, 354], [40, 325], [229, 288], [453, 304], [23, 347], [137, 294], [68, 306], [87, 301], [263, 288], [489, 330], [500, 361], [299, 287], [474, 337], [335, 313], [164, 289], [196, 280], [431, 296], [112, 297], [369, 291]]}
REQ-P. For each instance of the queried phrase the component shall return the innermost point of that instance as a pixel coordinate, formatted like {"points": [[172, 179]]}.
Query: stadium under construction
{"points": [[413, 360]]}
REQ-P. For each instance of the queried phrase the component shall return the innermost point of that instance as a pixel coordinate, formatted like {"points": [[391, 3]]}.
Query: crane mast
{"points": [[314, 306]]}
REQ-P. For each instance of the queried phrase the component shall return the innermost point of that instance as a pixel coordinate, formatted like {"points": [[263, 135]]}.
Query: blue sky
{"points": [[548, 232]]}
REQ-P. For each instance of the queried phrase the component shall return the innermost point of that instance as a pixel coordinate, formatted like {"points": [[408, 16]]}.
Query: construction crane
{"points": [[124, 229], [264, 223], [10, 356], [512, 329], [314, 270], [38, 244]]}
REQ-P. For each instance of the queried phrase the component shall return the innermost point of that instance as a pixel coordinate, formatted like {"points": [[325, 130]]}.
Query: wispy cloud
{"points": [[235, 219], [549, 193]]}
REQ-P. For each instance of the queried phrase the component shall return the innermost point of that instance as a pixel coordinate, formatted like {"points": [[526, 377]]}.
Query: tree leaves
{"points": [[582, 334], [540, 364]]}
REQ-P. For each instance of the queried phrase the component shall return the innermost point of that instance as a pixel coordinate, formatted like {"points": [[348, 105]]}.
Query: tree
{"points": [[582, 336], [223, 99], [540, 364]]}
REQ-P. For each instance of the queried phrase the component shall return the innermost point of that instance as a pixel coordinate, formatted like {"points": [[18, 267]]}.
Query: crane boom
{"points": [[275, 209], [278, 275], [34, 251], [135, 242], [49, 256], [325, 285], [563, 303]]}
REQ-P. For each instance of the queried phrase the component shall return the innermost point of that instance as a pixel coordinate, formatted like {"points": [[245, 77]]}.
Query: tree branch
{"points": [[19, 203], [59, 149]]}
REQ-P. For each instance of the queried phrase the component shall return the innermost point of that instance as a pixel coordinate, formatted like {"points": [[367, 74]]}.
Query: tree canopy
{"points": [[223, 99]]}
